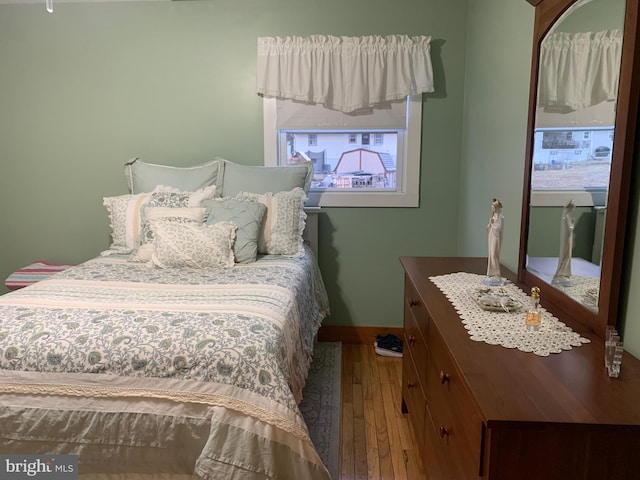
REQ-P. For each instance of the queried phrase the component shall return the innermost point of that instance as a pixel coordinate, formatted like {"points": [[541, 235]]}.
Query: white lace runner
{"points": [[500, 327], [584, 289]]}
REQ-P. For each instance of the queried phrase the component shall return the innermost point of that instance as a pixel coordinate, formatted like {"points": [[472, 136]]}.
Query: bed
{"points": [[165, 371]]}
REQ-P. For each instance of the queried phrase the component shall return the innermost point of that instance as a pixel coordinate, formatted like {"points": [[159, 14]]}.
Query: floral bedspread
{"points": [[225, 342]]}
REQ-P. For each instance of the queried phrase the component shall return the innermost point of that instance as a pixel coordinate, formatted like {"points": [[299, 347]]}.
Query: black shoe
{"points": [[389, 346]]}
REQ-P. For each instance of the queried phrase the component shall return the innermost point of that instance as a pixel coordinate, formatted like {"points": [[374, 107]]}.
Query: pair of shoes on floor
{"points": [[388, 345]]}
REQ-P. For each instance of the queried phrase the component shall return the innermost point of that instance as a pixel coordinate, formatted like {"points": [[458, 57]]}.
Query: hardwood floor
{"points": [[377, 441]]}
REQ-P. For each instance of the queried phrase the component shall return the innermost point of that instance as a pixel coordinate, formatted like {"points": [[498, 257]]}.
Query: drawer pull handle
{"points": [[413, 303], [412, 339], [444, 377], [410, 385], [443, 431]]}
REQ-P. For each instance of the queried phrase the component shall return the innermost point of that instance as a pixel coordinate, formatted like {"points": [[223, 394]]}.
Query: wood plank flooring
{"points": [[377, 441]]}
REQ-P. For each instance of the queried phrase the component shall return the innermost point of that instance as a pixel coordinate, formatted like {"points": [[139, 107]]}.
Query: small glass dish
{"points": [[496, 301]]}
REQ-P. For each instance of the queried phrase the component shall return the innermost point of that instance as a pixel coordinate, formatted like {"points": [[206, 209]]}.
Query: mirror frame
{"points": [[546, 14]]}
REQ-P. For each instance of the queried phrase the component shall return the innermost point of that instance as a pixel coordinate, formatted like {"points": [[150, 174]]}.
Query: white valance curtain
{"points": [[579, 70], [344, 73]]}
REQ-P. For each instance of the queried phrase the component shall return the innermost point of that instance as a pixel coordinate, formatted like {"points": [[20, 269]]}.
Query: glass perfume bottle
{"points": [[534, 315]]}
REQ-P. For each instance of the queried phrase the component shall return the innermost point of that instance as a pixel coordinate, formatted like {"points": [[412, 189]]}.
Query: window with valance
{"points": [[356, 97]]}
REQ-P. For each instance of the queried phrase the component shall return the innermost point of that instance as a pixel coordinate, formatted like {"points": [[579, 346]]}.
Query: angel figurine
{"points": [[494, 240]]}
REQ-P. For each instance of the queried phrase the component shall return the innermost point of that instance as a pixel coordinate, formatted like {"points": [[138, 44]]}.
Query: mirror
{"points": [[579, 155]]}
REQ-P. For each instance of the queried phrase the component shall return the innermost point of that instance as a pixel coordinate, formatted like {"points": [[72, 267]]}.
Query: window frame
{"points": [[407, 193]]}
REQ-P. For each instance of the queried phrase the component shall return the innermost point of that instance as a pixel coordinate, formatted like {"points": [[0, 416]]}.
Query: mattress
{"points": [[164, 373]]}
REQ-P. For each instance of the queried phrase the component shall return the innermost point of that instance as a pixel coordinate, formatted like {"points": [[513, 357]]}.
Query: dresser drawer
{"points": [[413, 396], [454, 414], [414, 306], [415, 344]]}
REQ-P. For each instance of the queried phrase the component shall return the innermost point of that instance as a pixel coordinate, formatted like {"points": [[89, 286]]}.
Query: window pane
{"points": [[394, 132], [338, 165], [565, 159]]}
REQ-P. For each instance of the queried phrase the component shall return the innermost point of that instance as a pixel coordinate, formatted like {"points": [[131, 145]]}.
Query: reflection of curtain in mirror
{"points": [[579, 70]]}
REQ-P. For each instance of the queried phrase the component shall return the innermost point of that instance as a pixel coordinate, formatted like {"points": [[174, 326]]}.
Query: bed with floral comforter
{"points": [[164, 373]]}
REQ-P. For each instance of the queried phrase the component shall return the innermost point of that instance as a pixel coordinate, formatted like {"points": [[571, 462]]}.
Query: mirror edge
{"points": [[546, 14]]}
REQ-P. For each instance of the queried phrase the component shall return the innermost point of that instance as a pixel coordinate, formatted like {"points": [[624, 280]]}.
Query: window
{"points": [[382, 174], [571, 163]]}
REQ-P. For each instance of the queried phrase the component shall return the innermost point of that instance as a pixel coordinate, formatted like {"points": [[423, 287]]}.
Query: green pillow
{"points": [[238, 178], [247, 215], [144, 177]]}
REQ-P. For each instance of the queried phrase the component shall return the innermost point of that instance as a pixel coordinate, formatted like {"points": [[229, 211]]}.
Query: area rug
{"points": [[320, 404]]}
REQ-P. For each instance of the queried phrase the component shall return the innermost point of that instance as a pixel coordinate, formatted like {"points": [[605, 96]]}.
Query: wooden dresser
{"points": [[485, 411]]}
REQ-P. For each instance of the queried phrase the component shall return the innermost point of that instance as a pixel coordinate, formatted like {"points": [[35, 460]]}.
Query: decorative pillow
{"points": [[178, 215], [144, 177], [248, 217], [258, 179], [127, 215], [284, 223], [166, 196], [126, 222], [193, 245]]}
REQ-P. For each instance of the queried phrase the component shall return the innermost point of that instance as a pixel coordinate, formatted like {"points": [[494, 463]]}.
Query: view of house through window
{"points": [[572, 158], [367, 158], [346, 160]]}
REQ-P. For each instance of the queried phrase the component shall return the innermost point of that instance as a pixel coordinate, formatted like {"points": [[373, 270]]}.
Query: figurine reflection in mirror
{"points": [[562, 276], [494, 239]]}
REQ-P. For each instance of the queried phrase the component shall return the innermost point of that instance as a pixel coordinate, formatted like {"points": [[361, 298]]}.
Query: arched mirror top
{"points": [[579, 151]]}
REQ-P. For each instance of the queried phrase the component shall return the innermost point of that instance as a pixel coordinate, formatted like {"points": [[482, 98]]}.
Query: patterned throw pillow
{"points": [[163, 196], [179, 215], [170, 197], [126, 213], [247, 215], [284, 223], [193, 245]]}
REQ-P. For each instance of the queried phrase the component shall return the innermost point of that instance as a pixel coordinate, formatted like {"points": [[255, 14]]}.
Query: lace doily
{"points": [[584, 289], [502, 328]]}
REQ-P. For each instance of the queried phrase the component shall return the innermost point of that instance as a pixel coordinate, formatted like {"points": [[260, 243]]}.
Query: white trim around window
{"points": [[407, 193]]}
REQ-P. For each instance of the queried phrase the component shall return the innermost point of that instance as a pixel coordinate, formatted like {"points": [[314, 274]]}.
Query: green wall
{"points": [[86, 88], [544, 240], [497, 80]]}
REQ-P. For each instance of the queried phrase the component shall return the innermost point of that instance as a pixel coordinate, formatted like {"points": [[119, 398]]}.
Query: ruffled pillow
{"points": [[125, 220], [193, 245], [282, 229]]}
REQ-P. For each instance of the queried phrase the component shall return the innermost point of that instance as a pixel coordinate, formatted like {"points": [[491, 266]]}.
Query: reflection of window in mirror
{"points": [[577, 94], [573, 150]]}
